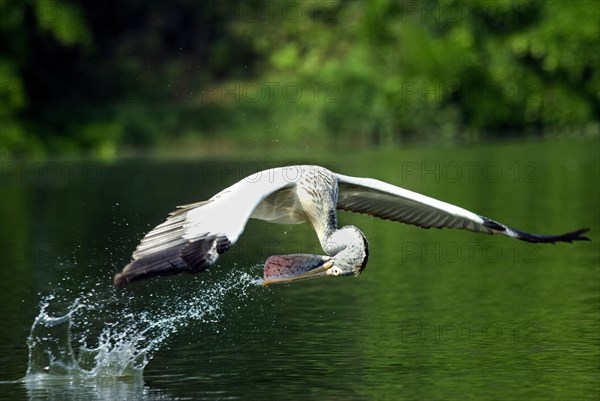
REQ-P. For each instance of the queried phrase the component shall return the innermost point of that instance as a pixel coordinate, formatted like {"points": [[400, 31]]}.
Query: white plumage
{"points": [[194, 235]]}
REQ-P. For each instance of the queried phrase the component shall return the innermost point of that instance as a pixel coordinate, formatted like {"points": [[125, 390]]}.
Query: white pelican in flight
{"points": [[194, 235]]}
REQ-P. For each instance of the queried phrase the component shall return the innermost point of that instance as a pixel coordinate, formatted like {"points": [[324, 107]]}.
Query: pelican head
{"points": [[349, 252]]}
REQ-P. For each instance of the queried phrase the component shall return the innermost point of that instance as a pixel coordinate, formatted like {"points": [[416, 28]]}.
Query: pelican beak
{"points": [[289, 268]]}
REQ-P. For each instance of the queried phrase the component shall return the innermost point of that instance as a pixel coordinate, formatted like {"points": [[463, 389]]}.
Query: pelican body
{"points": [[194, 235]]}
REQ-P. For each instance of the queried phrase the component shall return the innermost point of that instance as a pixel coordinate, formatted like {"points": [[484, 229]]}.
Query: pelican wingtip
{"points": [[119, 280]]}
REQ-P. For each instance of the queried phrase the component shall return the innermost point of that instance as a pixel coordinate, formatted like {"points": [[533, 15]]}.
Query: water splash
{"points": [[105, 337]]}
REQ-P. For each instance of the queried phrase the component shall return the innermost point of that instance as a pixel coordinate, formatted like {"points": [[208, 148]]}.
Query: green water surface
{"points": [[436, 315]]}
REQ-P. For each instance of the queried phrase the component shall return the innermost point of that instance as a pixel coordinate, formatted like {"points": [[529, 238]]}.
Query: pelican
{"points": [[194, 235]]}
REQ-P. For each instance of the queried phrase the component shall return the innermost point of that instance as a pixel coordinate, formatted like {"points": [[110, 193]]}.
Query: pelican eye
{"points": [[336, 271]]}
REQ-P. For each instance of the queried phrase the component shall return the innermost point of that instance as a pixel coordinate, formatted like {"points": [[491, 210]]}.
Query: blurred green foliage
{"points": [[99, 77]]}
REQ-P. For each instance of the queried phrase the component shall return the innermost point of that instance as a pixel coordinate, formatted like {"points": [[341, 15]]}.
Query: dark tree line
{"points": [[103, 76]]}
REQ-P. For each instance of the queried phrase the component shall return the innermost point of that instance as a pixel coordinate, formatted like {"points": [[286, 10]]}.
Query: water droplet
{"points": [[108, 343]]}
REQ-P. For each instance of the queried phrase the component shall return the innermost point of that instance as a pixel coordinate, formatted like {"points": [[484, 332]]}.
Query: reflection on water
{"points": [[61, 388]]}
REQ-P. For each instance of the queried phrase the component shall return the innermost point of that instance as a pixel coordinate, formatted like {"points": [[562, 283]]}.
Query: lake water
{"points": [[436, 315]]}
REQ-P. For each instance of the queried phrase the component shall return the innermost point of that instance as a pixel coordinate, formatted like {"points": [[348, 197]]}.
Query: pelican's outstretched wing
{"points": [[379, 199], [194, 235]]}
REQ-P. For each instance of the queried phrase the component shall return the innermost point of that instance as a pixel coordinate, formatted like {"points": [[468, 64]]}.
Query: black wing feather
{"points": [[191, 257]]}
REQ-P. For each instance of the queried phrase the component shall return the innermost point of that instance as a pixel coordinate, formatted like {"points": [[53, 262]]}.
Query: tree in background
{"points": [[444, 69], [99, 76], [90, 76]]}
